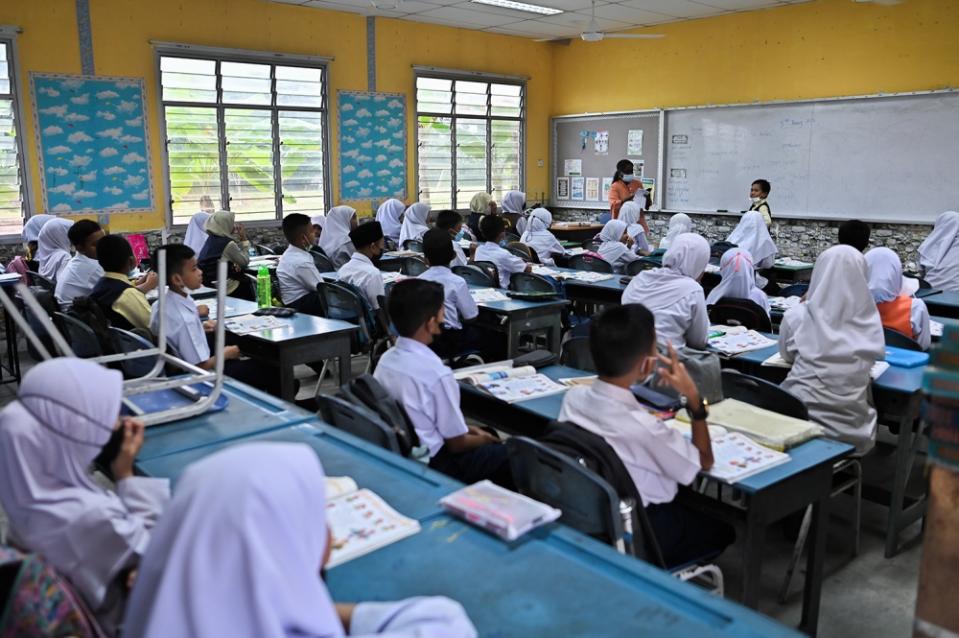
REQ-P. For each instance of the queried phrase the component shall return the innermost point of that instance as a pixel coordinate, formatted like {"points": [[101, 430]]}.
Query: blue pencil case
{"points": [[151, 402], [906, 358]]}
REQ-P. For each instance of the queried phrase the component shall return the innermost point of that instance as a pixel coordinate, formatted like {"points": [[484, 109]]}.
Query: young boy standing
{"points": [[83, 271], [416, 378], [758, 193], [658, 458], [493, 230], [124, 304]]}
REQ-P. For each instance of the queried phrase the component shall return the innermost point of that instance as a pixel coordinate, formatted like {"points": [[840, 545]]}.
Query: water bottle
{"points": [[264, 296], [251, 251]]}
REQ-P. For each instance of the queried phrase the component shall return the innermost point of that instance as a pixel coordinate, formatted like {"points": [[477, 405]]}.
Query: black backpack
{"points": [[367, 391]]}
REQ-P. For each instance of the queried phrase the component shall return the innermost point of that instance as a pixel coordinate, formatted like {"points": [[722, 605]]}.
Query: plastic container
{"points": [[264, 296]]}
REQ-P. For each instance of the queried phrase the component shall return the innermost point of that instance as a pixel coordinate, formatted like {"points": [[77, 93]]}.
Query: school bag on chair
{"points": [[367, 391]]}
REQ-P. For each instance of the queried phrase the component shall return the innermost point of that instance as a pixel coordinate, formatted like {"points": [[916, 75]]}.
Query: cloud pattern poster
{"points": [[94, 150], [372, 145]]}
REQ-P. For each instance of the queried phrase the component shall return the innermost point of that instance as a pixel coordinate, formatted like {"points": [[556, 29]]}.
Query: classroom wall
{"points": [[122, 30]]}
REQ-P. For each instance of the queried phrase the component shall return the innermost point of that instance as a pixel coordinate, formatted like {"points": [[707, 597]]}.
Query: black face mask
{"points": [[110, 450]]}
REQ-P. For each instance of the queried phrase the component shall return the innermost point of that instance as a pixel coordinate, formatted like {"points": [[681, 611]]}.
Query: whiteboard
{"points": [[890, 159]]}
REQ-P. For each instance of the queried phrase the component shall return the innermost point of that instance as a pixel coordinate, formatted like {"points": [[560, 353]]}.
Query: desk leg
{"points": [[555, 336], [345, 361], [287, 379], [512, 339], [816, 554], [910, 434], [752, 554]]}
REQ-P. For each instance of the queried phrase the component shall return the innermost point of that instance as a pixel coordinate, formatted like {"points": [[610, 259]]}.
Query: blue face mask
{"points": [[628, 178], [504, 243], [460, 235]]}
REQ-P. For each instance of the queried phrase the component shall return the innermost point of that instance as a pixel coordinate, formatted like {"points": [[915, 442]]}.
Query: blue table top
{"points": [[247, 412], [233, 307], [613, 282], [302, 326], [553, 582]]}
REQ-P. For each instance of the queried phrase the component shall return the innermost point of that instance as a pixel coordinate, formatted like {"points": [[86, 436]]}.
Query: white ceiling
{"points": [[611, 16]]}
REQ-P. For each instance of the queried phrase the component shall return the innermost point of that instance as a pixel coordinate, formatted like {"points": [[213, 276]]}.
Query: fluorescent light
{"points": [[520, 6]]}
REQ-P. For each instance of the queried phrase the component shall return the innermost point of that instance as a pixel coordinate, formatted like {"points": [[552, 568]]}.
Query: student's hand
{"points": [[129, 448], [480, 432], [131, 578], [529, 268], [629, 242], [203, 310], [231, 352], [674, 374], [345, 612], [147, 282], [209, 326]]}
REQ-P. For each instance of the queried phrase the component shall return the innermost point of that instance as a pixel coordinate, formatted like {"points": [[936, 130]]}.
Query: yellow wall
{"points": [[122, 30], [822, 48]]}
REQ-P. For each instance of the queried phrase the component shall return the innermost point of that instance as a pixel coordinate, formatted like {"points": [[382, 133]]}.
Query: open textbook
{"points": [[735, 455], [774, 430], [585, 276], [736, 340], [507, 514], [360, 521], [511, 384], [481, 295]]}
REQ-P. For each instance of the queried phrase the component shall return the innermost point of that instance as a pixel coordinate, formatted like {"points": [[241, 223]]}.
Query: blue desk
{"points": [[555, 582], [516, 317], [944, 304], [249, 411], [768, 496], [233, 307], [606, 292]]}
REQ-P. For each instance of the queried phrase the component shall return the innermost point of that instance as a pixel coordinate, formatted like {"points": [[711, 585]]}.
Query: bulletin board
{"points": [[594, 143], [372, 145], [94, 150]]}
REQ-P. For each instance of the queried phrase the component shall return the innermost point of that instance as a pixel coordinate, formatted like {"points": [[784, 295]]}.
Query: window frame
{"points": [[489, 118], [8, 38], [219, 56]]}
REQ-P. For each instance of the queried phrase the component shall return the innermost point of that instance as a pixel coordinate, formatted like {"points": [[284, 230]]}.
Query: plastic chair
{"points": [[590, 263], [475, 276], [82, 339], [126, 342], [358, 421], [322, 262], [531, 282], [740, 312], [414, 266], [575, 353], [898, 340], [490, 269], [635, 267], [794, 290], [414, 245], [762, 394], [512, 237], [591, 244], [521, 250], [36, 279], [367, 392], [262, 249]]}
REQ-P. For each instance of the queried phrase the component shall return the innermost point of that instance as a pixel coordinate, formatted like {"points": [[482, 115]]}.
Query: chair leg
{"points": [[319, 382], [797, 554], [857, 511]]}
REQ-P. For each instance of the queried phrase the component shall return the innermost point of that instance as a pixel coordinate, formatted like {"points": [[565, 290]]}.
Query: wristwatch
{"points": [[702, 413]]}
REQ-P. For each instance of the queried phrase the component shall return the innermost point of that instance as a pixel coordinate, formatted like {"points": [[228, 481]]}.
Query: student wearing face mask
{"points": [[625, 188], [758, 193], [361, 270], [297, 271], [452, 223]]}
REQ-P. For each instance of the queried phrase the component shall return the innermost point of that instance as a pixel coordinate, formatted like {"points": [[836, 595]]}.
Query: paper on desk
{"points": [[789, 262], [390, 277], [481, 295], [776, 361], [248, 324], [935, 328], [712, 268], [731, 344], [578, 275]]}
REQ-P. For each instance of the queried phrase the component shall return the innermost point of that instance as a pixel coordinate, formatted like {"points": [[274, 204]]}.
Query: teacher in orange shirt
{"points": [[624, 189]]}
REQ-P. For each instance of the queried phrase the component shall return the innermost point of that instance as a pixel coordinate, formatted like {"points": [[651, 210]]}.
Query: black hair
{"points": [[176, 256], [448, 219], [619, 337], [113, 253], [412, 302], [622, 166], [438, 247], [491, 227], [855, 233], [763, 185], [294, 224], [82, 229]]}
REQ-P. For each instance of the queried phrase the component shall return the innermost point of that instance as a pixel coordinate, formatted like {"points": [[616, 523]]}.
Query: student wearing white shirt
{"points": [[938, 254], [538, 238], [617, 246], [452, 223], [188, 334], [674, 295], [458, 305], [417, 379], [361, 270], [758, 194], [83, 271], [493, 230], [622, 341], [297, 271], [739, 280]]}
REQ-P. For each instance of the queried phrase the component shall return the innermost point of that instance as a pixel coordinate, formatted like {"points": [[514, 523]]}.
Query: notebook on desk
{"points": [[513, 384], [768, 428]]}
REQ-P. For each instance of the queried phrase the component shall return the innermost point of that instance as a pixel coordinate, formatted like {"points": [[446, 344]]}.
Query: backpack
{"points": [[367, 391]]}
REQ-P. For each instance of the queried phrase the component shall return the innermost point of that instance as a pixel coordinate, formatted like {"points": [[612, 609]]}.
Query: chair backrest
{"points": [[413, 266], [591, 244], [358, 421], [36, 279], [511, 237], [521, 250], [717, 250], [636, 267], [413, 244], [739, 312], [762, 394], [322, 262], [490, 269], [79, 335], [794, 290], [367, 391], [125, 342], [262, 249], [898, 340], [590, 263], [575, 354], [342, 301], [475, 276], [531, 282]]}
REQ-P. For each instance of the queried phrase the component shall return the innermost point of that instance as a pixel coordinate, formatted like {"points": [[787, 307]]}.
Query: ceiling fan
{"points": [[593, 34]]}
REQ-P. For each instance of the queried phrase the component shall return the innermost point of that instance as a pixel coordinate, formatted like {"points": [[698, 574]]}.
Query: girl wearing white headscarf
{"points": [[631, 213], [678, 224], [31, 232], [389, 215], [539, 239], [239, 553], [514, 202], [832, 340], [739, 279], [53, 247], [616, 246], [65, 413], [751, 234], [898, 309], [481, 204], [195, 231], [939, 253], [414, 223], [335, 240], [318, 222], [673, 294]]}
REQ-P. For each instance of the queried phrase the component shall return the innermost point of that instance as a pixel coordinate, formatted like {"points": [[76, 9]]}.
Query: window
{"points": [[12, 174], [249, 135], [469, 138]]}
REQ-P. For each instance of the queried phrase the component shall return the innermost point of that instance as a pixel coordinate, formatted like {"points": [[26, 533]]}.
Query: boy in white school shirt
{"points": [[493, 230], [297, 271], [622, 341], [83, 271], [452, 223], [361, 270], [458, 305], [416, 378]]}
